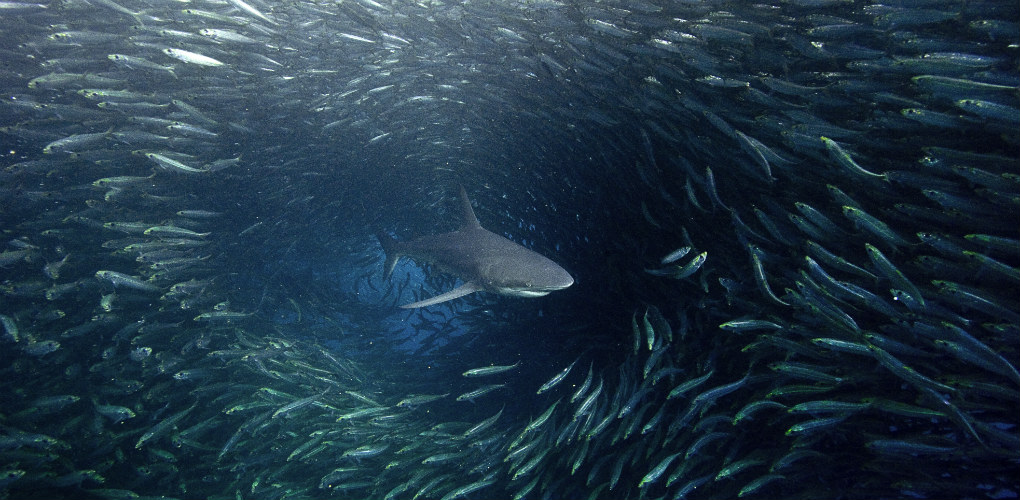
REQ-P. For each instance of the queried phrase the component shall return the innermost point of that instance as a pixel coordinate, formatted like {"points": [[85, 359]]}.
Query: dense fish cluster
{"points": [[793, 228]]}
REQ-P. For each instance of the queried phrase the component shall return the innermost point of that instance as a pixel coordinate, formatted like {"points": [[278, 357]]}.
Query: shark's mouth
{"points": [[524, 292]]}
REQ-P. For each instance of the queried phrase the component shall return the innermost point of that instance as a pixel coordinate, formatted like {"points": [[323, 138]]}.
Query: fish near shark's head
{"points": [[533, 280]]}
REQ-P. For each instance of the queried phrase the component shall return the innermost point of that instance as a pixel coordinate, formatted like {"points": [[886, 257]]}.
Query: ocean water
{"points": [[193, 294]]}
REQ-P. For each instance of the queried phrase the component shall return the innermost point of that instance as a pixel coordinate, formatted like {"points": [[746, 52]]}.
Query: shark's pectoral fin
{"points": [[460, 291]]}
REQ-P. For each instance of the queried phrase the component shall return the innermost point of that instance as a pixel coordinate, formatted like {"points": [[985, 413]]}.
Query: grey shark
{"points": [[484, 260]]}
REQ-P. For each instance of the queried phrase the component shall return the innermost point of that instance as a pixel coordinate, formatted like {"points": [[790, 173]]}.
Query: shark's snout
{"points": [[559, 279]]}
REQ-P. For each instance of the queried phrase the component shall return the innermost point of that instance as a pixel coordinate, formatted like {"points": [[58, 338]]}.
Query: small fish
{"points": [[481, 391], [825, 406], [76, 142], [226, 35], [133, 62], [192, 57], [116, 414], [420, 399], [744, 325], [874, 226], [173, 231], [738, 466], [52, 269], [192, 374], [240, 4], [584, 386], [222, 316], [301, 403], [121, 181], [162, 427], [675, 255], [684, 271], [121, 279], [490, 370], [485, 424], [759, 276], [368, 450], [658, 470], [586, 405], [173, 165], [843, 158], [41, 348], [536, 423], [886, 268], [689, 385], [814, 425], [753, 407], [557, 378]]}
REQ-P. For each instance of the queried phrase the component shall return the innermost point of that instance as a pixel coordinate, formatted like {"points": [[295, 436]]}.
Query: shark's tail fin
{"points": [[389, 246]]}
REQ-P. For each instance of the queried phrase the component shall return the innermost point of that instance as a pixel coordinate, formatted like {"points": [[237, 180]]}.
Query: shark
{"points": [[483, 260]]}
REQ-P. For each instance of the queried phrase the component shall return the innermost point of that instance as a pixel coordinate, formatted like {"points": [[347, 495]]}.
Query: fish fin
{"points": [[460, 291], [467, 213], [389, 246]]}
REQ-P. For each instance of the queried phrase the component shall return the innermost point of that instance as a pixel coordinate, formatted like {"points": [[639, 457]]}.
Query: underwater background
{"points": [[793, 229]]}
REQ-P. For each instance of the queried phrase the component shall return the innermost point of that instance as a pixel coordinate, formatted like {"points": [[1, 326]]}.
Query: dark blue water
{"points": [[269, 358]]}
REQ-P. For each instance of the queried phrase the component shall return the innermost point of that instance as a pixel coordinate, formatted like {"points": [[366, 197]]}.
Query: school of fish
{"points": [[793, 228]]}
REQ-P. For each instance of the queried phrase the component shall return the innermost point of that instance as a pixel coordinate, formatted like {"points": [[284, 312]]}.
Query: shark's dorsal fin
{"points": [[389, 248], [468, 218], [460, 291]]}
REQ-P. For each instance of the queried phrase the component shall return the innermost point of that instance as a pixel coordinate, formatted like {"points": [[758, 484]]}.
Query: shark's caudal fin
{"points": [[468, 218], [389, 247], [460, 291]]}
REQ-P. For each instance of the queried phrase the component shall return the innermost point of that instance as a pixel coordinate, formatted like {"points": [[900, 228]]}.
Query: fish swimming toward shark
{"points": [[483, 260]]}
